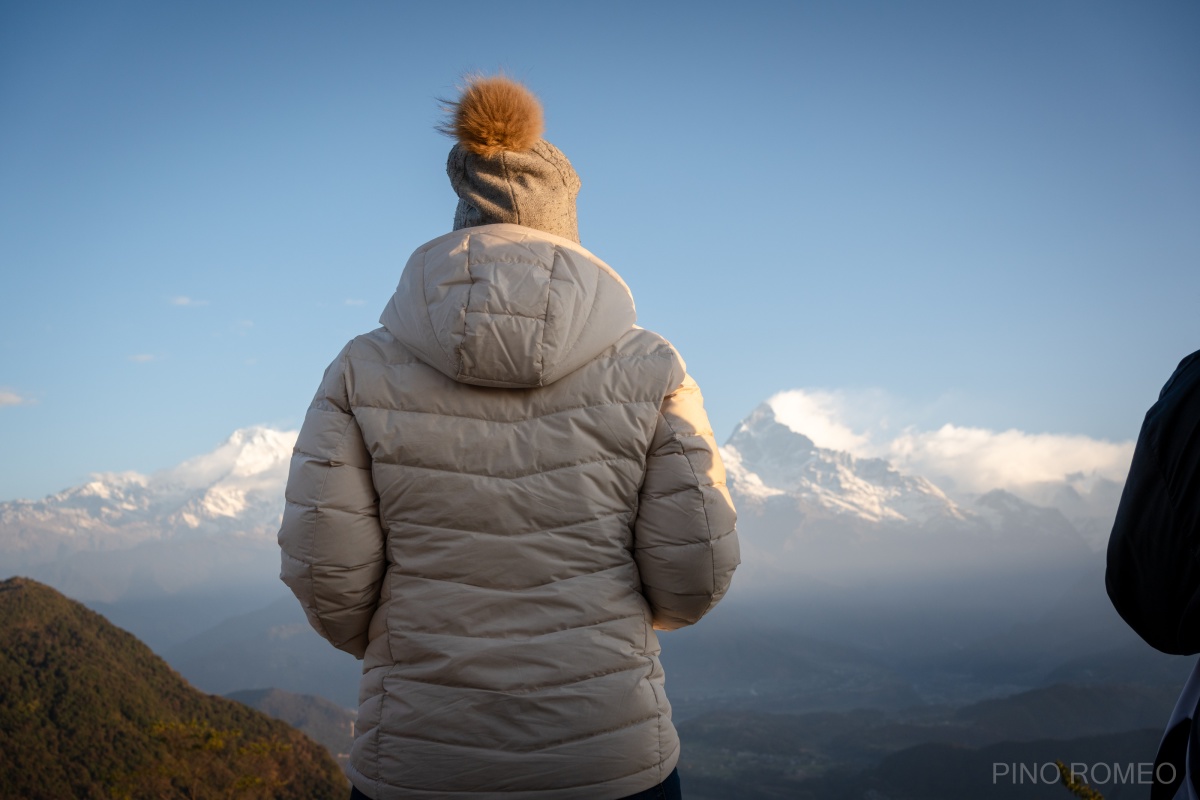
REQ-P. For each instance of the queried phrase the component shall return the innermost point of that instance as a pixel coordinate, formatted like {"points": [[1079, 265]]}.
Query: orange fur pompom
{"points": [[493, 115]]}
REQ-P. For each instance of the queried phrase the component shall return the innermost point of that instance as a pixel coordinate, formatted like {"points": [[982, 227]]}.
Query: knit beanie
{"points": [[501, 169]]}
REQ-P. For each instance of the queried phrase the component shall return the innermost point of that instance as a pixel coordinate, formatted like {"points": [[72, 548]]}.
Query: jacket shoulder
{"points": [[641, 342], [638, 342], [379, 346]]}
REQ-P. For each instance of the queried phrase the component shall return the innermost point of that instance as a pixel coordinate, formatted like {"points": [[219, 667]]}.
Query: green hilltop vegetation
{"points": [[88, 711]]}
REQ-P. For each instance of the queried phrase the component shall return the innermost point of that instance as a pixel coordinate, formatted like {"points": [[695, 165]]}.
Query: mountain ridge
{"points": [[766, 461], [235, 489], [88, 711]]}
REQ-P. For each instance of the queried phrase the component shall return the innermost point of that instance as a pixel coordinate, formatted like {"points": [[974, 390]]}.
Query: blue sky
{"points": [[986, 215]]}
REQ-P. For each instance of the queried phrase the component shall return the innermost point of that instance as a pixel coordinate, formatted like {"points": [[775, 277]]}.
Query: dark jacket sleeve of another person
{"points": [[1153, 575]]}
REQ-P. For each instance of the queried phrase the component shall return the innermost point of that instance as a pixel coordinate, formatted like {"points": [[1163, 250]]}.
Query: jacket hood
{"points": [[507, 306]]}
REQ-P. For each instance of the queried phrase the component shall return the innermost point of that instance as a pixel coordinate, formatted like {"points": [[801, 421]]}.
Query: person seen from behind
{"points": [[500, 495]]}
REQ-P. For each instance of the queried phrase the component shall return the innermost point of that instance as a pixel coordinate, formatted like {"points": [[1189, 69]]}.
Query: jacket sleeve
{"points": [[331, 541], [685, 540], [1153, 575]]}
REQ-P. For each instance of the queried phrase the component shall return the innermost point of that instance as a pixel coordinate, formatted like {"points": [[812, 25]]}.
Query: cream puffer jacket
{"points": [[493, 501]]}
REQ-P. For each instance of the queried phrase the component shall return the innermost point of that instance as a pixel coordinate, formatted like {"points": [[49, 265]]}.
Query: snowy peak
{"points": [[249, 453], [765, 458], [101, 491], [771, 451], [249, 466], [236, 489], [260, 450]]}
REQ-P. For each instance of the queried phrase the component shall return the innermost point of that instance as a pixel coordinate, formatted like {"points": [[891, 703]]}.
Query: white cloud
{"points": [[10, 398], [977, 459], [349, 302], [184, 300], [961, 460], [822, 417]]}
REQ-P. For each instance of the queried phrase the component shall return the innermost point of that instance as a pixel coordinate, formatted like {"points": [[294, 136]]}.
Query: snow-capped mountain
{"points": [[764, 458], [815, 517], [235, 490], [768, 463]]}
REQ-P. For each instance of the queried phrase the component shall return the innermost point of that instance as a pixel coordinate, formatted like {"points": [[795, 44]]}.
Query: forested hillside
{"points": [[88, 711]]}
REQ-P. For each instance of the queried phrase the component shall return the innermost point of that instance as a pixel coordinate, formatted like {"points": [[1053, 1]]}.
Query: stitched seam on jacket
{"points": [[377, 730], [505, 314], [703, 506], [591, 314], [513, 589], [341, 568], [428, 313], [674, 593], [673, 492], [541, 342], [521, 260], [557, 743], [357, 607], [468, 331], [320, 494], [287, 502], [515, 477], [699, 541], [296, 451], [526, 636], [524, 690], [659, 740], [574, 524], [511, 421]]}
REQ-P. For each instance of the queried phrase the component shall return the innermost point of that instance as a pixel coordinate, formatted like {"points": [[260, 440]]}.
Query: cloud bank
{"points": [[977, 459], [961, 460]]}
